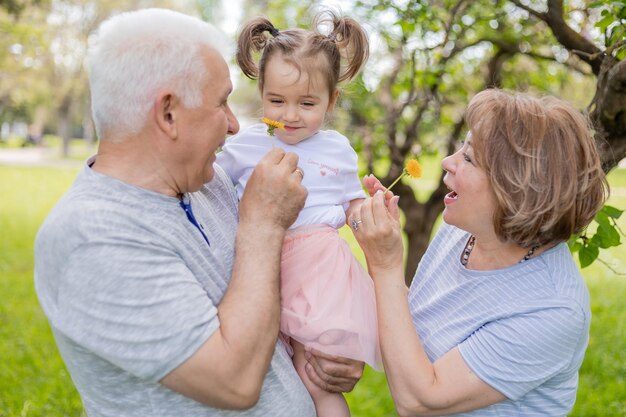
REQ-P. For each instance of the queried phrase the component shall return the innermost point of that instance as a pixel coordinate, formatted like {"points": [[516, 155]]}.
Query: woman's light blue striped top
{"points": [[523, 329]]}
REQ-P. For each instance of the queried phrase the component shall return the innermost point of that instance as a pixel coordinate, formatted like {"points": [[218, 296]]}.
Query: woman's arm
{"points": [[418, 386]]}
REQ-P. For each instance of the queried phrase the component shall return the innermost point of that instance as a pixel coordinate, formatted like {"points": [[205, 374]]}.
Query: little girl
{"points": [[327, 299]]}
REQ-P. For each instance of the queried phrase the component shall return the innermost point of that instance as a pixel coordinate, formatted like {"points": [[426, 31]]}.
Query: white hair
{"points": [[136, 54]]}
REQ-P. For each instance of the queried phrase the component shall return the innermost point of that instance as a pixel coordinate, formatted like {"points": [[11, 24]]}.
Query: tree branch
{"points": [[456, 9], [539, 15], [412, 95], [610, 267], [565, 35]]}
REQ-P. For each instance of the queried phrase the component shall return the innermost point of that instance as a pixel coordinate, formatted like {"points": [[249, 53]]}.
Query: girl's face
{"points": [[297, 99], [471, 203]]}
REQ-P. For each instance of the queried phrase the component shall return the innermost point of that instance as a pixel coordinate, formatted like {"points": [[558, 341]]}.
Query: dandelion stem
{"points": [[396, 181]]}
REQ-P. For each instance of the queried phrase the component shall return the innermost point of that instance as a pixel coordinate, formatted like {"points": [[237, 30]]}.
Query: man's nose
{"points": [[233, 123]]}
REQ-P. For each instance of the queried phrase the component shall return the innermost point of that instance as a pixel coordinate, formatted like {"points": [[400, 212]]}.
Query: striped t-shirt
{"points": [[523, 329]]}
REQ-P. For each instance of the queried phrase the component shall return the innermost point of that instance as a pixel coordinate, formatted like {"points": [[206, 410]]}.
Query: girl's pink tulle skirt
{"points": [[327, 298]]}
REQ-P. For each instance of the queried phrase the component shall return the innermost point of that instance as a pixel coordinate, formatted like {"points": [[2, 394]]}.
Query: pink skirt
{"points": [[327, 298]]}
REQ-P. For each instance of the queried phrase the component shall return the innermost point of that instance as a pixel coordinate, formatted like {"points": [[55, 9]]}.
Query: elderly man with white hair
{"points": [[162, 290]]}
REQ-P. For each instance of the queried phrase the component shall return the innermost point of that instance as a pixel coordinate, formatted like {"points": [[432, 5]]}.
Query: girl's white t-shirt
{"points": [[328, 161]]}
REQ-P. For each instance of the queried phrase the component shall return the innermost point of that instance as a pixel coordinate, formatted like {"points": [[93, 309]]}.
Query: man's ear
{"points": [[166, 106], [333, 100]]}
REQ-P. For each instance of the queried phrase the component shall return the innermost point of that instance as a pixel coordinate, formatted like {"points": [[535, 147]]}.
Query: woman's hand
{"points": [[373, 185], [377, 230], [332, 373]]}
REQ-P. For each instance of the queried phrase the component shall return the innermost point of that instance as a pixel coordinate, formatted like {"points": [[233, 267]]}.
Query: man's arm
{"points": [[228, 370]]}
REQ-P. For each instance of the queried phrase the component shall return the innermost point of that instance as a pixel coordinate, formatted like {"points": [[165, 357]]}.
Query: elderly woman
{"points": [[497, 319]]}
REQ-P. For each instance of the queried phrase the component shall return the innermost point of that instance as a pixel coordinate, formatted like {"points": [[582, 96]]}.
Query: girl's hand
{"points": [[378, 232], [332, 373]]}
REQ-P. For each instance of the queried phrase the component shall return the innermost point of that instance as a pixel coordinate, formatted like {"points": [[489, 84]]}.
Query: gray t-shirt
{"points": [[131, 290]]}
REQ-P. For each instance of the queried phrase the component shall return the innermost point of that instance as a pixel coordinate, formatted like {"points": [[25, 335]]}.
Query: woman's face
{"points": [[471, 203]]}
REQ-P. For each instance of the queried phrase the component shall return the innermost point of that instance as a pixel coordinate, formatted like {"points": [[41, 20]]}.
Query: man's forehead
{"points": [[226, 88], [219, 73]]}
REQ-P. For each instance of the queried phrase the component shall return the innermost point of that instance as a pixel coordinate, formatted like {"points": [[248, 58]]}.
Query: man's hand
{"points": [[332, 373], [274, 194]]}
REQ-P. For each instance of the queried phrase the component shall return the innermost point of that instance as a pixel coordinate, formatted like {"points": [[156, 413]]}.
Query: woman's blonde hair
{"points": [[541, 159], [338, 56]]}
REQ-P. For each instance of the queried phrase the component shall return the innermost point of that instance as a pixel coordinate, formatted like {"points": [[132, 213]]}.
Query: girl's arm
{"points": [[354, 204], [418, 386]]}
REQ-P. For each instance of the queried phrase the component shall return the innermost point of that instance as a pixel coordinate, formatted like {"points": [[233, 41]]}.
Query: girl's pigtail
{"points": [[351, 40], [252, 38]]}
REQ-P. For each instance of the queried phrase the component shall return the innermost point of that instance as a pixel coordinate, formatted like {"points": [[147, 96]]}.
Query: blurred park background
{"points": [[427, 59]]}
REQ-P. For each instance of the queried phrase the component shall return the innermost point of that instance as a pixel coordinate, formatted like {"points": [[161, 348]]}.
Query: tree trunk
{"points": [[420, 220], [608, 112], [421, 217], [608, 107]]}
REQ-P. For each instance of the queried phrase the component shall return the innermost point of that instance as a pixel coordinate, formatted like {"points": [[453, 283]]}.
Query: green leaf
{"points": [[574, 244], [431, 79], [606, 237], [605, 22], [602, 219], [587, 255], [407, 27], [612, 211], [618, 5], [616, 35]]}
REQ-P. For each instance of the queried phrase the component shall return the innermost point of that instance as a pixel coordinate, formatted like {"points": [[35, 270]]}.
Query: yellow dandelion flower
{"points": [[271, 125], [412, 168]]}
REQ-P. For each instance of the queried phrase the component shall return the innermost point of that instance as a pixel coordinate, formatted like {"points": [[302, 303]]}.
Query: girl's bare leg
{"points": [[327, 404]]}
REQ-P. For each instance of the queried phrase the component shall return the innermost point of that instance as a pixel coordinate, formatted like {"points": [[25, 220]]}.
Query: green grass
{"points": [[12, 142], [33, 379], [602, 390], [34, 382]]}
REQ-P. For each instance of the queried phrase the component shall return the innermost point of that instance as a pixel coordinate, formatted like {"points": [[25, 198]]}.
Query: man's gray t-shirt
{"points": [[131, 290]]}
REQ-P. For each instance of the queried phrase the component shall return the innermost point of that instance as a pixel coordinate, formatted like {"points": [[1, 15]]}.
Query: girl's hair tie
{"points": [[332, 37], [274, 32]]}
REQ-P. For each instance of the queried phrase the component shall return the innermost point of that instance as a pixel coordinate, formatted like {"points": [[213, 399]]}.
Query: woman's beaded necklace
{"points": [[470, 245]]}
